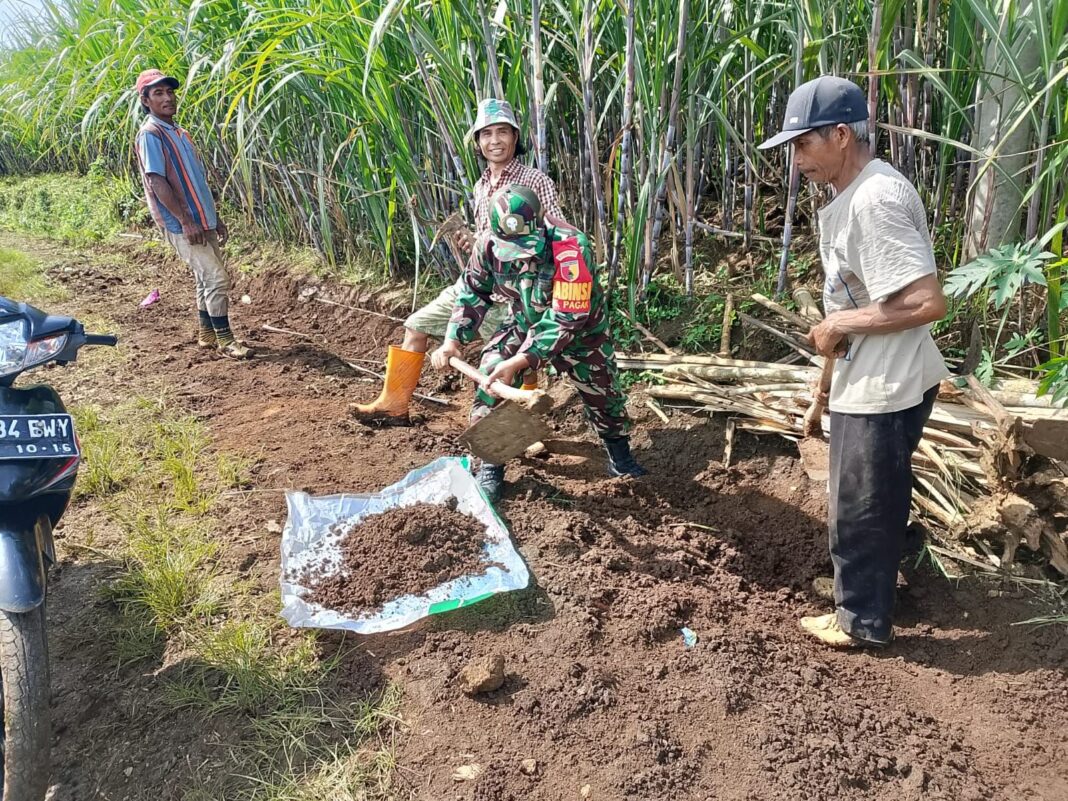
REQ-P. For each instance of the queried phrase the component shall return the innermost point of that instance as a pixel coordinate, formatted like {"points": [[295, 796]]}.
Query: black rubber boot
{"points": [[620, 460], [490, 478]]}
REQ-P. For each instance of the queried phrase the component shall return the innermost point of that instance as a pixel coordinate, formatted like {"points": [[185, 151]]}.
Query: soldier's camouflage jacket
{"points": [[557, 303]]}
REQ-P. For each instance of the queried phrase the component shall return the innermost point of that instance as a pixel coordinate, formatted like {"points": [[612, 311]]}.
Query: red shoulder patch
{"points": [[572, 282]]}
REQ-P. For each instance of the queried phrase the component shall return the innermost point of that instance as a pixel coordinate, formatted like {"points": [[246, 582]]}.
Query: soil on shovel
{"points": [[404, 551]]}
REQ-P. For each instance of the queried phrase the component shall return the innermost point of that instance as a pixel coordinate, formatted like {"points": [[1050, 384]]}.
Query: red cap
{"points": [[150, 78]]}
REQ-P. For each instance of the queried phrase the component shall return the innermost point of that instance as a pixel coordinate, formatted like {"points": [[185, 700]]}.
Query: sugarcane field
{"points": [[493, 400]]}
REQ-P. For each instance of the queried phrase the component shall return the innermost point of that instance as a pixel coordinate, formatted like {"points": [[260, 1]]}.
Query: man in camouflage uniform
{"points": [[498, 142], [544, 268]]}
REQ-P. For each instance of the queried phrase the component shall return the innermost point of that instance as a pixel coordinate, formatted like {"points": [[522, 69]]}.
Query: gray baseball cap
{"points": [[827, 100]]}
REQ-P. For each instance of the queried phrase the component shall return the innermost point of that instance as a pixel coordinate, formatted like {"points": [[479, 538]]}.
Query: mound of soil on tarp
{"points": [[404, 551]]}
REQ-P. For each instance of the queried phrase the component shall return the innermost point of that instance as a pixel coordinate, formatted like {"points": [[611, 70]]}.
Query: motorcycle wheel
{"points": [[24, 753]]}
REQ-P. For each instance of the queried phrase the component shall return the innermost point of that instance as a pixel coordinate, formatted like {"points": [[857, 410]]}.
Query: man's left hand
{"points": [[505, 372], [222, 231], [827, 339]]}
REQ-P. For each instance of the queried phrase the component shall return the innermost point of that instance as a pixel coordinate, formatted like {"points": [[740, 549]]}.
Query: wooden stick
{"points": [[275, 330], [531, 398], [812, 424], [782, 311], [652, 404], [729, 234], [725, 331], [357, 308], [650, 335], [804, 349], [807, 304]]}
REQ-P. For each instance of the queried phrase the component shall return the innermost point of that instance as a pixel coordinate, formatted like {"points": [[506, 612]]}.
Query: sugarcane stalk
{"points": [[725, 328], [747, 122], [540, 151], [802, 348], [803, 323], [794, 180], [489, 41], [724, 373], [873, 76], [715, 231], [589, 9], [439, 113], [667, 149], [691, 156], [658, 361], [625, 147]]}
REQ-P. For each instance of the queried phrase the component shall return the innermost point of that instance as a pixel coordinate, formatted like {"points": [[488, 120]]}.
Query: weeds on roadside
{"points": [[298, 757], [22, 279], [153, 474], [76, 209], [239, 667], [169, 572], [109, 460]]}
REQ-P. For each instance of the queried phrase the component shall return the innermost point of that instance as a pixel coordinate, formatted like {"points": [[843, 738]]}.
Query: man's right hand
{"points": [[464, 240], [440, 358], [193, 232]]}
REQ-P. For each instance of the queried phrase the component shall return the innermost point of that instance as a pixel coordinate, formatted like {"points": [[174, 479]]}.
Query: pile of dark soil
{"points": [[403, 551]]}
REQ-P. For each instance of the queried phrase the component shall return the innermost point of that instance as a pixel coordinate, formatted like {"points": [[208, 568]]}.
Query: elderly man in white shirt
{"points": [[881, 294]]}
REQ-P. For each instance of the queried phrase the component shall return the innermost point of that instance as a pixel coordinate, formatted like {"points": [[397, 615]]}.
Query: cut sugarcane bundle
{"points": [[986, 470]]}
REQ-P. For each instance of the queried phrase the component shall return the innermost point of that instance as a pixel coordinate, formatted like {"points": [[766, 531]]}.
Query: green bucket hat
{"points": [[517, 225], [490, 112]]}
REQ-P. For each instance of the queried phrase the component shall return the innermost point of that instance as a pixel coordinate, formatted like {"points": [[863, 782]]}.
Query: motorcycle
{"points": [[39, 457]]}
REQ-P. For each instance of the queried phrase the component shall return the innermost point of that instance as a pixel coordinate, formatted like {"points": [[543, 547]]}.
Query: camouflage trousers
{"points": [[589, 362]]}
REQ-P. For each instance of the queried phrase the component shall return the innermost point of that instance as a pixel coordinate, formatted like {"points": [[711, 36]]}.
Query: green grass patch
{"points": [[23, 278], [77, 209], [109, 459], [151, 470], [169, 574], [239, 667]]}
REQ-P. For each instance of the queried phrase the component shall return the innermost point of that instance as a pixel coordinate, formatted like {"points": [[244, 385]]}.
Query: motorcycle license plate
{"points": [[37, 436]]}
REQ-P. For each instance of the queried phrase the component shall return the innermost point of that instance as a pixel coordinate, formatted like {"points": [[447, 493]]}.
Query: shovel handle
{"points": [[811, 426], [502, 390]]}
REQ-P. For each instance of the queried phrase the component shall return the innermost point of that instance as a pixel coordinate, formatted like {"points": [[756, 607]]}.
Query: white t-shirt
{"points": [[873, 242]]}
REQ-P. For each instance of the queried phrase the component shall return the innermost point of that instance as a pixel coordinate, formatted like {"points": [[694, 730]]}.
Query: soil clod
{"points": [[483, 675]]}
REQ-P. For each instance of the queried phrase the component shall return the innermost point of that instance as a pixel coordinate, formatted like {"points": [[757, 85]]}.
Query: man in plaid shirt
{"points": [[496, 138]]}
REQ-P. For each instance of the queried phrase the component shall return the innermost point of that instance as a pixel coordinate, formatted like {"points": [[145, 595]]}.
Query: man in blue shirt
{"points": [[176, 188]]}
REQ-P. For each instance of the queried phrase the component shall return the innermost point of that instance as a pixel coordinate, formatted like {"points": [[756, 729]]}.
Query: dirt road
{"points": [[601, 691]]}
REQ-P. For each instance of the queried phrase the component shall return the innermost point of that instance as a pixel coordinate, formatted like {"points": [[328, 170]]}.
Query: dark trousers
{"points": [[870, 496]]}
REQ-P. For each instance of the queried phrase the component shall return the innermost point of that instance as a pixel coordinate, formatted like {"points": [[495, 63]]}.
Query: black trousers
{"points": [[870, 496]]}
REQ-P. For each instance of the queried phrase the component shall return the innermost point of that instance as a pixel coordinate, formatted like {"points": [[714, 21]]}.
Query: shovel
{"points": [[512, 426]]}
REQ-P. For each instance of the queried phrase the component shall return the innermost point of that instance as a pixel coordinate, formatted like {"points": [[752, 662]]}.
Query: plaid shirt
{"points": [[515, 173]]}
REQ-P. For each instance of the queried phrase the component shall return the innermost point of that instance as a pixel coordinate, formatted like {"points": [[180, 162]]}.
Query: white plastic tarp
{"points": [[307, 540]]}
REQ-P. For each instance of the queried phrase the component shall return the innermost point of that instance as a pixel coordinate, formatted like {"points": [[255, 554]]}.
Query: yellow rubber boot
{"points": [[402, 374]]}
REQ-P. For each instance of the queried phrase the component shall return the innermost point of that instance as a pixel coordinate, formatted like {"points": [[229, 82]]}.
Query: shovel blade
{"points": [[506, 432], [815, 456]]}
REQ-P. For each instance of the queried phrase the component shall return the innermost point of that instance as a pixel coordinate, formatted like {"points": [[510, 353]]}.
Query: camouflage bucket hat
{"points": [[490, 112], [516, 223]]}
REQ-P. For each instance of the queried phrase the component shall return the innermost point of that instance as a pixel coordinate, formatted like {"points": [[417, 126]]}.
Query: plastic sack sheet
{"points": [[306, 541]]}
